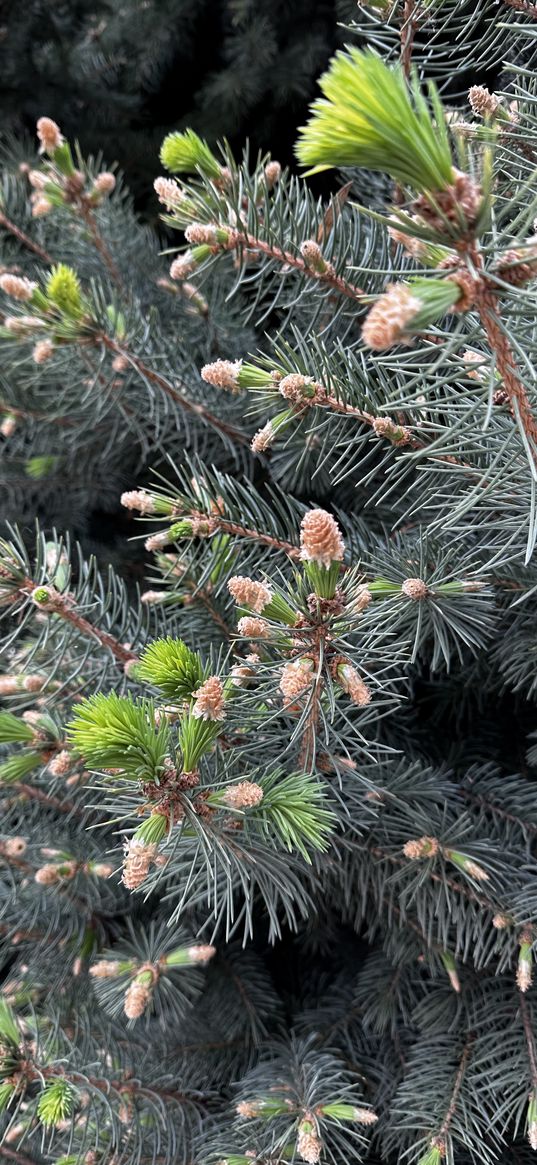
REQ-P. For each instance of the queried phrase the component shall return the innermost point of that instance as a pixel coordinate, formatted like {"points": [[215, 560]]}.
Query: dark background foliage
{"points": [[119, 75]]}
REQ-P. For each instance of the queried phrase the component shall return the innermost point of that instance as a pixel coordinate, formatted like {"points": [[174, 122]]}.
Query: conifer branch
{"points": [[530, 1038], [445, 1126], [88, 218], [328, 278], [486, 302], [197, 410], [64, 605], [25, 239]]}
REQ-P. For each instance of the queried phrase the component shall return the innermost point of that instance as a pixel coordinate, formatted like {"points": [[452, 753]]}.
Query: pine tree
{"points": [[268, 865]]}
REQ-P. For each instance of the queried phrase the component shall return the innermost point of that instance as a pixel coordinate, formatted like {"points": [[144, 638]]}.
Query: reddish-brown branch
{"points": [[506, 365], [188, 406], [408, 32], [456, 1088], [266, 539], [24, 239], [100, 246], [16, 1155], [64, 606], [530, 1039], [329, 278]]}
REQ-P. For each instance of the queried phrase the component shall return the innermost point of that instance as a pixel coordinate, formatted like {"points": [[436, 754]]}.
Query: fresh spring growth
{"points": [[349, 1112], [524, 974], [532, 1120], [369, 116], [433, 1156], [187, 153], [172, 667], [63, 291], [407, 308], [56, 1102], [114, 732], [321, 549], [258, 598], [308, 1144], [262, 1107], [451, 968]]}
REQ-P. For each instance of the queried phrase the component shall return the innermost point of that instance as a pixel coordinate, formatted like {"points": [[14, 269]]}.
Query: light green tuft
{"points": [[370, 116]]}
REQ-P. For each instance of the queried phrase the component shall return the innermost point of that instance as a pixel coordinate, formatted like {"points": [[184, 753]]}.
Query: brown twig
{"points": [[456, 1088], [486, 304], [408, 32], [88, 217], [329, 278], [24, 239], [64, 606], [198, 410]]}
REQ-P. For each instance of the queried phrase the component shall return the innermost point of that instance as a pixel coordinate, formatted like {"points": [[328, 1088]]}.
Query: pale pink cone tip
{"points": [[209, 700], [388, 318], [321, 541], [252, 628], [49, 134], [415, 588], [245, 795], [249, 593], [17, 286], [421, 847], [222, 374], [137, 997]]}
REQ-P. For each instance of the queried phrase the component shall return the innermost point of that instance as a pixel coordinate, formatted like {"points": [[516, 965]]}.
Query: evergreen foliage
{"points": [[268, 847]]}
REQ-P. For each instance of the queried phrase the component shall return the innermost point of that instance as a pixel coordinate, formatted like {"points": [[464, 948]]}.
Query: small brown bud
{"points": [[314, 258], [415, 588], [47, 875], [483, 103], [61, 764], [43, 351], [40, 205], [273, 173], [104, 183], [501, 921], [13, 847], [359, 599]]}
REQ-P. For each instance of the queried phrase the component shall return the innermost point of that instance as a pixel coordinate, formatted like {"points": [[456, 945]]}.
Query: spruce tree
{"points": [[268, 865]]}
